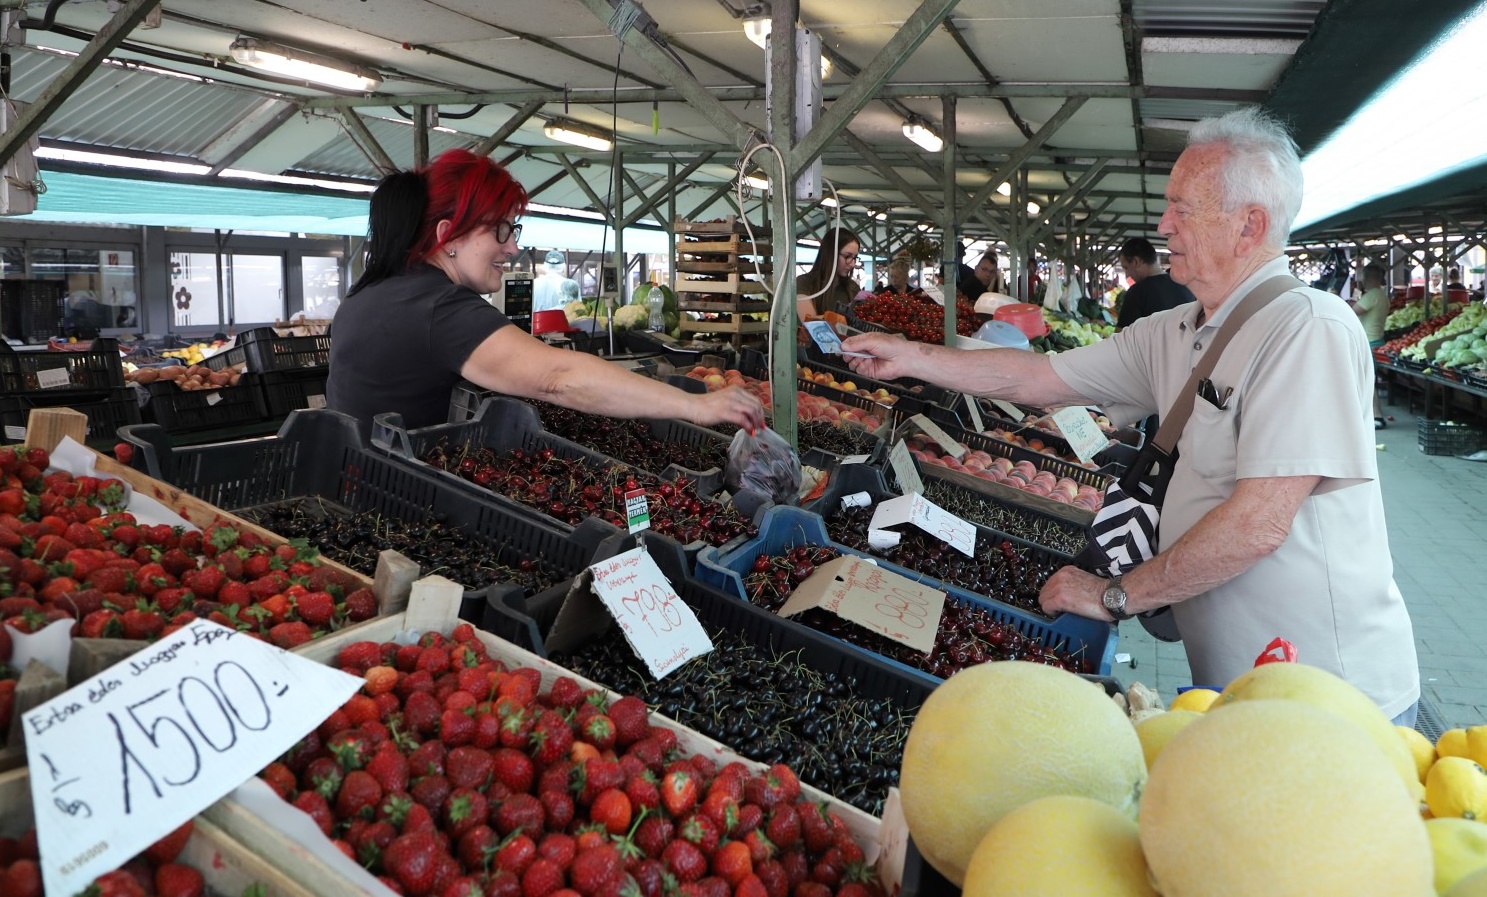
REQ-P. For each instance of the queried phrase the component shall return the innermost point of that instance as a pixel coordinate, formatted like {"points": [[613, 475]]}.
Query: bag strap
{"points": [[1177, 416]]}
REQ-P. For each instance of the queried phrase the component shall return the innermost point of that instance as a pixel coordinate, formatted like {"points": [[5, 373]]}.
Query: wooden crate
{"points": [[228, 866], [433, 607], [731, 224], [723, 244], [731, 265], [732, 284]]}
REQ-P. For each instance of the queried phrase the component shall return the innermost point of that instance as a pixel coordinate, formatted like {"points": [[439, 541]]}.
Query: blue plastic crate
{"points": [[785, 527]]}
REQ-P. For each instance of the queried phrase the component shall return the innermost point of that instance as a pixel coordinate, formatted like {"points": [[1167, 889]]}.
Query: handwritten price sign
{"points": [[658, 624], [928, 516], [1084, 435], [118, 762], [855, 589]]}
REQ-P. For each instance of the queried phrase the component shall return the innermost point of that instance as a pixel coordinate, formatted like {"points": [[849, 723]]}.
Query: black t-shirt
{"points": [[399, 344], [1158, 292]]}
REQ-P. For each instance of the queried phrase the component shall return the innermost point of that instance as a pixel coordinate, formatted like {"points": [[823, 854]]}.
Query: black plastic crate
{"points": [[32, 310], [999, 449], [679, 356], [296, 390], [1447, 437], [263, 350], [465, 399], [181, 411], [99, 367], [107, 411]]}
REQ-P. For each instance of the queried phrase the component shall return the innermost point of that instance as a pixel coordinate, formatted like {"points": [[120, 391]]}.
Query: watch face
{"points": [[1114, 598]]}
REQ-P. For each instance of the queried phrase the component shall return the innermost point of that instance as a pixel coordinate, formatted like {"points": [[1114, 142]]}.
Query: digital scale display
{"points": [[517, 301]]}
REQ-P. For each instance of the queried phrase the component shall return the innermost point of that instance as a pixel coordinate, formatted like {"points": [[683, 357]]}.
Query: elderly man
{"points": [[1273, 523]]}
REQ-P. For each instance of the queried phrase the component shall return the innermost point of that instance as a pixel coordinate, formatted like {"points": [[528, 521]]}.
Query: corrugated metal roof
{"points": [[1220, 18]]}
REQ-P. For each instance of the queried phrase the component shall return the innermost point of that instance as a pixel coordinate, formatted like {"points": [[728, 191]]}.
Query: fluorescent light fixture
{"points": [[756, 26], [826, 67], [923, 228], [829, 202], [1033, 208], [756, 181], [922, 134], [297, 180], [293, 63], [1371, 156], [577, 134], [880, 216], [89, 158], [1004, 188]]}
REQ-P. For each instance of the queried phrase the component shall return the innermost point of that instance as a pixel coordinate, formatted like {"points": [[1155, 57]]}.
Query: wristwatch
{"points": [[1114, 599]]}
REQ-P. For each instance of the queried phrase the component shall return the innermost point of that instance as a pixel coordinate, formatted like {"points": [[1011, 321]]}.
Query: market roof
{"points": [[1091, 97]]}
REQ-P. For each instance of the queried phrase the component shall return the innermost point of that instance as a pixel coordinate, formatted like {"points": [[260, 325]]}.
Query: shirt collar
{"points": [[1276, 266]]}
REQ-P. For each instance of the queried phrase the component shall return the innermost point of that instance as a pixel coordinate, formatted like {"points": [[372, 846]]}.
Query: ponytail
{"points": [[394, 219]]}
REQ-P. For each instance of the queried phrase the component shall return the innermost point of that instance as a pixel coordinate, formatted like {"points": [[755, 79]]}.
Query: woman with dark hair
{"points": [[416, 321], [829, 283]]}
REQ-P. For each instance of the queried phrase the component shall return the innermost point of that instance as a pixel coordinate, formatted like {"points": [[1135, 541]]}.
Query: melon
{"points": [[1095, 848], [999, 735], [1275, 798]]}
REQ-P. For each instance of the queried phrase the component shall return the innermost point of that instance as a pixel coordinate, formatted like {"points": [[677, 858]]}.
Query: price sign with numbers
{"points": [[858, 590], [928, 516], [656, 621], [120, 760], [1084, 435]]}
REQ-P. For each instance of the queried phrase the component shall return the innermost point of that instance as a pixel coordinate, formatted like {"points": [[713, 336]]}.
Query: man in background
{"points": [[1372, 307], [1153, 290]]}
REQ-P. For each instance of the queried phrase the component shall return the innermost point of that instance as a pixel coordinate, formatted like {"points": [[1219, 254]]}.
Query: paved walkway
{"points": [[1436, 508]]}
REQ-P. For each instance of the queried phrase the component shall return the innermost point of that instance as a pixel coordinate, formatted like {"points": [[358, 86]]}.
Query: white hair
{"points": [[1263, 167]]}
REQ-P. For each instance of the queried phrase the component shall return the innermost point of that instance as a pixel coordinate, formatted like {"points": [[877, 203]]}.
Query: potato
{"points": [[219, 378], [146, 375]]}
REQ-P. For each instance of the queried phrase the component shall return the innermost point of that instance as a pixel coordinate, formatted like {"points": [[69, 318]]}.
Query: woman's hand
{"points": [[733, 404], [891, 355]]}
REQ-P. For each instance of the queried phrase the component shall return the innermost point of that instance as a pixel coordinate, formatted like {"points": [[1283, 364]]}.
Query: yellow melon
{"points": [[1095, 848], [1459, 847], [1196, 699], [996, 736], [1278, 798], [1319, 688], [1474, 885], [1156, 731]]}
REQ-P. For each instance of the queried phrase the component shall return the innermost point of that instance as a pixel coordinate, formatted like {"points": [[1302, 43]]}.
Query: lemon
{"points": [[1420, 748], [1456, 786], [999, 735], [1452, 743], [1095, 848], [1459, 847], [1476, 744], [1156, 731], [1276, 798], [1195, 699], [1319, 688]]}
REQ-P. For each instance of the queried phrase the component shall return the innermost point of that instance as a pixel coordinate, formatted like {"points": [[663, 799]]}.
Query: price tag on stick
{"points": [[903, 467], [1084, 435], [1013, 413], [124, 758], [657, 623], [637, 510], [937, 433], [974, 407]]}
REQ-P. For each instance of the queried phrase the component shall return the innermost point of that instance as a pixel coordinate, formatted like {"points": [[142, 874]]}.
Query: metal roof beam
{"points": [[865, 87], [66, 83], [1077, 191], [362, 137], [664, 190], [231, 145], [1020, 155], [573, 172], [888, 172], [519, 118]]}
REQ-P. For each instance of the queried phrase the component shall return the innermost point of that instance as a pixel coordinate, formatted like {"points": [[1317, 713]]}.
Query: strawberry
{"points": [[699, 830], [50, 548], [828, 869], [257, 566], [101, 624], [551, 737], [412, 860], [600, 775], [520, 811], [289, 635], [22, 878], [176, 562], [118, 883], [380, 680], [783, 829], [361, 605], [679, 792], [515, 854], [594, 867], [684, 861], [151, 578], [541, 879], [643, 791], [477, 846], [760, 848], [469, 767], [774, 878], [559, 847], [421, 711], [631, 720], [371, 841], [611, 809], [432, 792], [141, 624], [653, 834], [316, 608], [514, 769], [750, 817], [360, 656], [315, 805], [565, 693], [218, 539], [815, 826], [464, 809], [732, 862], [751, 886], [169, 847], [558, 807], [175, 880], [168, 601], [324, 775], [501, 883], [456, 728], [722, 809], [204, 581], [359, 795], [279, 778]]}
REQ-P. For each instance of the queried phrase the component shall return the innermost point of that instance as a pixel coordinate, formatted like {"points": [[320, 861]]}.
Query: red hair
{"points": [[469, 191]]}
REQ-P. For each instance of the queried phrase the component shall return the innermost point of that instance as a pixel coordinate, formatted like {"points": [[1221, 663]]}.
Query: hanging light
{"points": [[1033, 208], [293, 63], [756, 25], [1004, 188], [916, 130], [829, 202], [577, 134]]}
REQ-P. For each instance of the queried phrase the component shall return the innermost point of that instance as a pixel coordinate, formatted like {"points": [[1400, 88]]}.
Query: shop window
{"points": [[254, 287], [257, 288], [12, 262], [100, 284], [321, 282], [194, 299]]}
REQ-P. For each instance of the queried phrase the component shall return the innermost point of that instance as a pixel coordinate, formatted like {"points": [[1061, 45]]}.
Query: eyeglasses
{"points": [[504, 230], [847, 256]]}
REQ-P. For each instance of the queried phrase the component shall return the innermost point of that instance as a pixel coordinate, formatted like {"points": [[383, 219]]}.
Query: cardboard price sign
{"points": [[1084, 435], [903, 467], [937, 433], [119, 761], [657, 623], [974, 407], [855, 589], [1013, 413], [928, 516]]}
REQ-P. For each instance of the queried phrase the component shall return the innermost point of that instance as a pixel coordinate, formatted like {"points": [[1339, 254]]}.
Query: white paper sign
{"points": [[213, 398], [1013, 413], [975, 409], [854, 459], [637, 510], [122, 759], [928, 516], [315, 401], [657, 623], [937, 433], [1084, 435], [903, 467], [16, 433], [52, 378], [826, 338]]}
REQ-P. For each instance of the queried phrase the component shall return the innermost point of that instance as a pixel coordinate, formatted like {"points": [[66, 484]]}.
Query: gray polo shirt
{"points": [[1302, 379]]}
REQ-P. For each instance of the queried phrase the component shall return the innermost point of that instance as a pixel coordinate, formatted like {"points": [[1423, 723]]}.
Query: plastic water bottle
{"points": [[656, 302]]}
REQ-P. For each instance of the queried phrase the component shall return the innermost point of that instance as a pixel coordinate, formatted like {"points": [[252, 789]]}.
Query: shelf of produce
{"points": [[262, 349], [731, 283], [226, 864], [432, 609], [715, 267], [179, 410], [98, 367]]}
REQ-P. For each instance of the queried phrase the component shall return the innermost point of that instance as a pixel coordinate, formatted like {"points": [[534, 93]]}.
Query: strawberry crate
{"points": [[785, 527], [99, 367], [263, 350], [107, 410], [183, 411]]}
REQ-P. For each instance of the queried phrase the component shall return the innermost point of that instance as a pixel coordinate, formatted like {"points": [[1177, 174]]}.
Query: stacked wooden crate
{"points": [[716, 276]]}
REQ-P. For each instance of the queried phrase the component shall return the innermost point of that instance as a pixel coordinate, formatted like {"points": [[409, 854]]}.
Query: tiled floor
{"points": [[1436, 508]]}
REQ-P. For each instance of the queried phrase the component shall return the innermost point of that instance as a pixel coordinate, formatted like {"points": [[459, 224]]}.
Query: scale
{"points": [[516, 300]]}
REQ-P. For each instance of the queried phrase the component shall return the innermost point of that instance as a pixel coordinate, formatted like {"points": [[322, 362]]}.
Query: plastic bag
{"points": [[762, 468]]}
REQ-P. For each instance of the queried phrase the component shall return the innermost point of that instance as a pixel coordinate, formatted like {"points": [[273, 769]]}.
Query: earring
{"points": [[451, 253]]}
